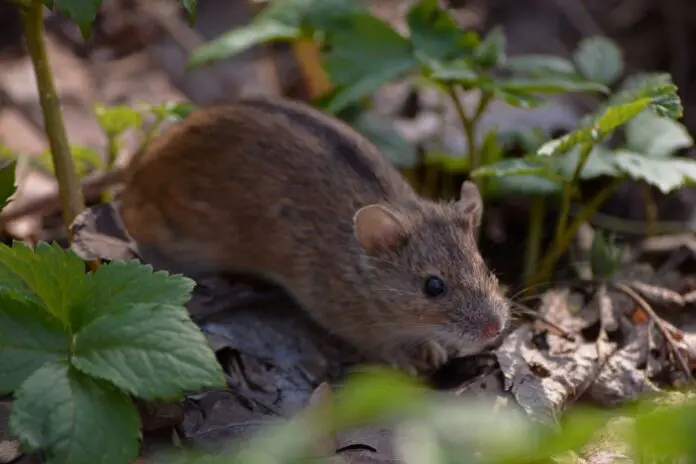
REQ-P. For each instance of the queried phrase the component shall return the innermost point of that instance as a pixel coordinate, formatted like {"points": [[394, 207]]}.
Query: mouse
{"points": [[278, 189]]}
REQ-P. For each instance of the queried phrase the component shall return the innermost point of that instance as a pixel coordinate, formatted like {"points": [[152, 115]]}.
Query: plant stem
{"points": [[561, 243], [68, 183], [469, 124], [71, 198], [568, 190], [651, 214], [534, 237]]}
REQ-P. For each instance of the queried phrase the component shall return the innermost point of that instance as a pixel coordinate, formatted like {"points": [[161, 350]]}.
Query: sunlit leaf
{"points": [[657, 96], [667, 174], [657, 136]]}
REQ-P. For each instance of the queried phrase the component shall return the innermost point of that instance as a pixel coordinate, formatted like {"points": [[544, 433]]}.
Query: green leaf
{"points": [[539, 65], [29, 337], [529, 184], [47, 275], [382, 133], [653, 94], [448, 162], [458, 71], [667, 174], [153, 351], [116, 119], [365, 54], [278, 21], [519, 99], [605, 256], [86, 160], [599, 163], [190, 6], [7, 183], [491, 52], [515, 167], [656, 136], [83, 12], [120, 284], [599, 59], [435, 34], [551, 84], [74, 419], [172, 110]]}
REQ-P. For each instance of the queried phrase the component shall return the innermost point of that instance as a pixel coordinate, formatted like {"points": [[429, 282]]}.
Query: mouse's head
{"points": [[427, 273]]}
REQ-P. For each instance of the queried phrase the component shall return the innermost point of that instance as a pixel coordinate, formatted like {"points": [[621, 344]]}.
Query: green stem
{"points": [[534, 237], [651, 214], [568, 190], [69, 187], [71, 198], [561, 244]]}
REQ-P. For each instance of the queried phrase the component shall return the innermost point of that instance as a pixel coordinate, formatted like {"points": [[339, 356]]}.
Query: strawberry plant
{"points": [[362, 52], [76, 348]]}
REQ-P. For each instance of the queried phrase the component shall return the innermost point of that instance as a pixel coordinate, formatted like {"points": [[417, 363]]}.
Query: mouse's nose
{"points": [[491, 329]]}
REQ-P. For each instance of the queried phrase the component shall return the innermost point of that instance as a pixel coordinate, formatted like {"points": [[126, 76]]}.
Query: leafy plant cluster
{"points": [[77, 348], [360, 53], [452, 430], [115, 122]]}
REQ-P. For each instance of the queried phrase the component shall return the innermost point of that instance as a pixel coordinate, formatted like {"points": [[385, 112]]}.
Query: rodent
{"points": [[274, 187]]}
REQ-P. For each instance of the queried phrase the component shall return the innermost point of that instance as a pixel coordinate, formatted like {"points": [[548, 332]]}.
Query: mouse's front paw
{"points": [[423, 358]]}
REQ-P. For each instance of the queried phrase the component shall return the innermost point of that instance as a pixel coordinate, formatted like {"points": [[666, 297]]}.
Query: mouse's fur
{"points": [[277, 188]]}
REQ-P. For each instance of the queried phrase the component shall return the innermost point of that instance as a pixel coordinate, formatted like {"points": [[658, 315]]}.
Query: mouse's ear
{"points": [[470, 202], [377, 228]]}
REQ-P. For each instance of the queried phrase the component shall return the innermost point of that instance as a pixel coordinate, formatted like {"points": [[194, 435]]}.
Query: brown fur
{"points": [[273, 187]]}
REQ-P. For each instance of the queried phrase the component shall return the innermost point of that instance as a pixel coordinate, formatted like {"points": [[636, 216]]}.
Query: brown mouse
{"points": [[276, 188]]}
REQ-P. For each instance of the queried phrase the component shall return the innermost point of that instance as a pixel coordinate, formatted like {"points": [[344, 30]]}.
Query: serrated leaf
{"points": [[620, 108], [539, 65], [29, 337], [434, 32], [48, 275], [83, 12], [365, 54], [85, 160], [74, 419], [599, 59], [119, 284], [153, 351], [116, 119], [491, 52], [190, 6], [551, 84], [656, 136], [667, 174], [7, 183]]}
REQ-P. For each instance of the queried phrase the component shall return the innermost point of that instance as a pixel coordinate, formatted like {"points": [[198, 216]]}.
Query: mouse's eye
{"points": [[434, 286]]}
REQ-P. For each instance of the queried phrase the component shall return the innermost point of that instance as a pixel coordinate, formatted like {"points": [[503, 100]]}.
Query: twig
{"points": [[50, 203], [522, 309], [658, 321]]}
